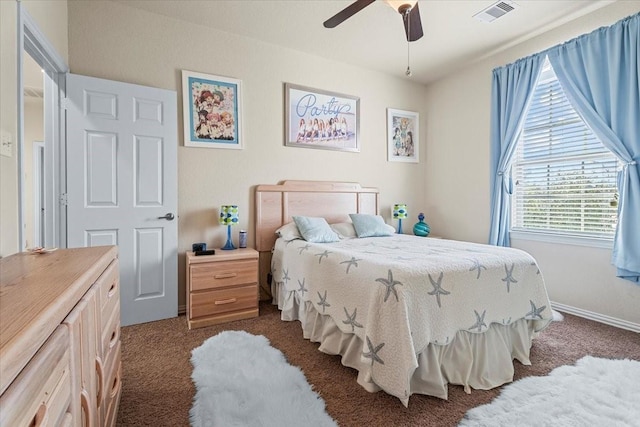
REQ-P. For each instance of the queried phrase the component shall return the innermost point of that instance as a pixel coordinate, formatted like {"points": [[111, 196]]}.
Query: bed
{"points": [[410, 314]]}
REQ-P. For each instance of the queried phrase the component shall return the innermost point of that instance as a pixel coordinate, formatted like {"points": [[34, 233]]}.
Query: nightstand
{"points": [[221, 287]]}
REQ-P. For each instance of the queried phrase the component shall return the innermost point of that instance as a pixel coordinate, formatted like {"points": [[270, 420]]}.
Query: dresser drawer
{"points": [[114, 389], [221, 274], [111, 333], [41, 394], [224, 300], [108, 290]]}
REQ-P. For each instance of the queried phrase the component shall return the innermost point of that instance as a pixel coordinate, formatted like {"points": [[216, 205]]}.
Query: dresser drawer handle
{"points": [[225, 275], [41, 416], [100, 373], [114, 337], [112, 290], [226, 301], [114, 386]]}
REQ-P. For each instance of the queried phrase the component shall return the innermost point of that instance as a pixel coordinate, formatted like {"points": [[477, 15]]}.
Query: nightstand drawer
{"points": [[222, 274], [223, 301]]}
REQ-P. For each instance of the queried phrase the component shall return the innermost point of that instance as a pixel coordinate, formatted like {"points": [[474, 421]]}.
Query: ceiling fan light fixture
{"points": [[401, 5]]}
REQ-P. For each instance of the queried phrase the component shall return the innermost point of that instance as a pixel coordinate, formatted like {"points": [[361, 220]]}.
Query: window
{"points": [[565, 179]]}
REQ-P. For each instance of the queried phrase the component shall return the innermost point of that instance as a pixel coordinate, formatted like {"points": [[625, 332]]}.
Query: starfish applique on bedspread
{"points": [[302, 289], [477, 266], [437, 288], [390, 284], [509, 278], [373, 352], [479, 321], [352, 261], [351, 319], [324, 254], [323, 301], [535, 312]]}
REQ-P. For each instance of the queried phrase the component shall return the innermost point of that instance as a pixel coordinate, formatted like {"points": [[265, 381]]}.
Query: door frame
{"points": [[38, 203], [33, 41]]}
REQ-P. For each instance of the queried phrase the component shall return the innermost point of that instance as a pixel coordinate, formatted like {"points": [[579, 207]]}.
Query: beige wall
{"points": [[8, 125], [51, 17], [110, 40], [457, 181]]}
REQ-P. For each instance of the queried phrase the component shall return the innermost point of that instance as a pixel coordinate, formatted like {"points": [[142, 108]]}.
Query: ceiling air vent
{"points": [[495, 11]]}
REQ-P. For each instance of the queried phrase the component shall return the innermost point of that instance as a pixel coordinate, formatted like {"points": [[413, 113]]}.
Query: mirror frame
{"points": [[33, 41]]}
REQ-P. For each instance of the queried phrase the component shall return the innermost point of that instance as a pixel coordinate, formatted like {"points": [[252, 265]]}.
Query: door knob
{"points": [[168, 217]]}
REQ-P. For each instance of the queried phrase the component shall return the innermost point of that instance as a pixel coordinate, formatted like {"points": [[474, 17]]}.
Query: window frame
{"points": [[592, 239]]}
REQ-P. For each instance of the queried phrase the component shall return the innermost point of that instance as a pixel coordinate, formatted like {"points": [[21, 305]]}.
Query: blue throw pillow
{"points": [[370, 225], [315, 230]]}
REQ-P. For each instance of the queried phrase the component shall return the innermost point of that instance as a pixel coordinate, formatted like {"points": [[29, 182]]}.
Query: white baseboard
{"points": [[608, 320], [182, 309]]}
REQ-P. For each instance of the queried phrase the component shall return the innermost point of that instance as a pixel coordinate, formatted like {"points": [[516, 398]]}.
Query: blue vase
{"points": [[421, 228]]}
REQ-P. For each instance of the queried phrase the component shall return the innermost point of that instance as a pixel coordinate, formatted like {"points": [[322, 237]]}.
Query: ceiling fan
{"points": [[408, 9]]}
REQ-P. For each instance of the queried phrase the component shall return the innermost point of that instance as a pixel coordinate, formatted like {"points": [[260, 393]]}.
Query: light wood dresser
{"points": [[60, 338], [222, 287]]}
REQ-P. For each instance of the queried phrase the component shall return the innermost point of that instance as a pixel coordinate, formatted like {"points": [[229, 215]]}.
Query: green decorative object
{"points": [[421, 228]]}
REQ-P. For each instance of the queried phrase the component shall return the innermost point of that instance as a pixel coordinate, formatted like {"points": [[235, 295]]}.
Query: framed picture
{"points": [[212, 108], [320, 119], [402, 136]]}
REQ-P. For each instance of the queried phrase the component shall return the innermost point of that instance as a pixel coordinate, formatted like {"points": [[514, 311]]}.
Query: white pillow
{"points": [[289, 232], [315, 230], [371, 225], [344, 230]]}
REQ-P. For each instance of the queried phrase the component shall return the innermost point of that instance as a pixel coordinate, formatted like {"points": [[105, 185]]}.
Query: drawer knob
{"points": [[225, 275], [225, 301]]}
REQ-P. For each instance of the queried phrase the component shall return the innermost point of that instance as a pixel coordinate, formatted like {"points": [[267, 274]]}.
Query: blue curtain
{"points": [[600, 74], [511, 94]]}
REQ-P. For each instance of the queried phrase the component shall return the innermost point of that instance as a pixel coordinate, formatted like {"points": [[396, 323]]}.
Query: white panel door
{"points": [[122, 187]]}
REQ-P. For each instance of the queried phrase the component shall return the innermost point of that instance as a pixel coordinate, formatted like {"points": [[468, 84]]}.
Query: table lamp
{"points": [[399, 213], [228, 217]]}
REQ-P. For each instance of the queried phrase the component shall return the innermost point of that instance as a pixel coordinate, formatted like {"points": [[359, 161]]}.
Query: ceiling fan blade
{"points": [[416, 24], [347, 13]]}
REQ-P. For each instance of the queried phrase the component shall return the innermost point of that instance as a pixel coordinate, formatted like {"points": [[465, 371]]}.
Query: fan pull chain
{"points": [[406, 16]]}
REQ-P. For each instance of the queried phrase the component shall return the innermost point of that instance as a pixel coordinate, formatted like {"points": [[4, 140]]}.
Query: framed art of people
{"points": [[403, 138], [212, 110], [321, 119]]}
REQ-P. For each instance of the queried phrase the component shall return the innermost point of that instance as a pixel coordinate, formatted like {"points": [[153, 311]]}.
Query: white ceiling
{"points": [[374, 38]]}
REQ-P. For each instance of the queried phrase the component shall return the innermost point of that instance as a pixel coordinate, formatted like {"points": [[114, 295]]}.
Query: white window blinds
{"points": [[565, 178]]}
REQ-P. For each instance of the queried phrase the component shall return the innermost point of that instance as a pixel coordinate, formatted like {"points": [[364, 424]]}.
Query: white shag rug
{"points": [[594, 392], [242, 381]]}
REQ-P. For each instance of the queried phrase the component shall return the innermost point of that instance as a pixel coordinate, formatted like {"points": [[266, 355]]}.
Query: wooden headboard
{"points": [[277, 204]]}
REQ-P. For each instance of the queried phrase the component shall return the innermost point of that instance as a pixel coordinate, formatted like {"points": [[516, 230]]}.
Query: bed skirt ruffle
{"points": [[472, 360]]}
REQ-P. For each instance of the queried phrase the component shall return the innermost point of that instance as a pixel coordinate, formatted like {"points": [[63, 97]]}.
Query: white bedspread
{"points": [[400, 293]]}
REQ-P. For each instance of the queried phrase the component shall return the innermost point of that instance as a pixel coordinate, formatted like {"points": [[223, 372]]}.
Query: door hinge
{"points": [[64, 103], [63, 199]]}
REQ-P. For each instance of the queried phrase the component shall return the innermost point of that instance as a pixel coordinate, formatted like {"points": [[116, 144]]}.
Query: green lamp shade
{"points": [[399, 211], [229, 214]]}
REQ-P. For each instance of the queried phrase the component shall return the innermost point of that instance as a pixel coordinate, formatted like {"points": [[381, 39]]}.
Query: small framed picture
{"points": [[402, 136], [212, 109]]}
